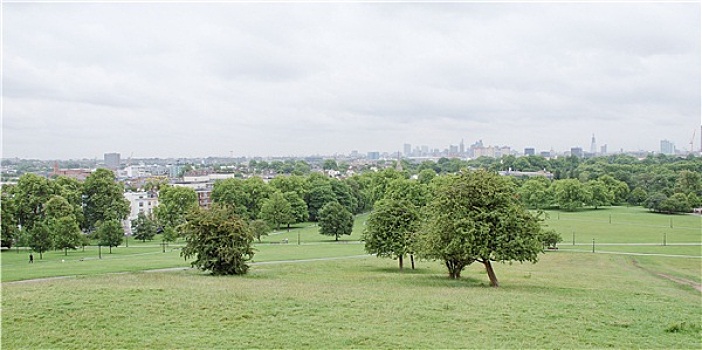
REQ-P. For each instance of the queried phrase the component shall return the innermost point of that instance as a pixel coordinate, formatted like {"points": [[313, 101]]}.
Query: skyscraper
{"points": [[112, 160], [667, 147], [593, 145], [408, 149]]}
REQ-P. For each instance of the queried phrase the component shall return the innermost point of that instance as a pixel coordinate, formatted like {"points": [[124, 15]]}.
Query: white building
{"points": [[141, 202]]}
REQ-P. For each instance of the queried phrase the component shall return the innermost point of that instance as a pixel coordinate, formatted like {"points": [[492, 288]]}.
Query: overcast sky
{"points": [[191, 79]]}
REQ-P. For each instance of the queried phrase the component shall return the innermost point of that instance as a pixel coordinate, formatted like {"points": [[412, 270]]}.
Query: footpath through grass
{"points": [[151, 255], [567, 300]]}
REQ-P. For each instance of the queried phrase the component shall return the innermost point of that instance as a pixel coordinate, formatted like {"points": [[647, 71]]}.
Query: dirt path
{"points": [[675, 279]]}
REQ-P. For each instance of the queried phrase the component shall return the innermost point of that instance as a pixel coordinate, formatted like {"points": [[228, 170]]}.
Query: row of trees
{"points": [[53, 214], [572, 194]]}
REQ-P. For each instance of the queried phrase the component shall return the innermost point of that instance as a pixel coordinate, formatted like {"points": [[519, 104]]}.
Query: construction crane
{"points": [[692, 140]]}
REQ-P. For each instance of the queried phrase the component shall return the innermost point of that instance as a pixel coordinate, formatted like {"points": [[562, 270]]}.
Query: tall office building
{"points": [[112, 160], [408, 150], [593, 145], [603, 149], [667, 147], [529, 151], [462, 147], [576, 151]]}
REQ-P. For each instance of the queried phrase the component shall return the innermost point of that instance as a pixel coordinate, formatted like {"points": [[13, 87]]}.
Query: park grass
{"points": [[570, 299], [628, 225], [567, 300]]}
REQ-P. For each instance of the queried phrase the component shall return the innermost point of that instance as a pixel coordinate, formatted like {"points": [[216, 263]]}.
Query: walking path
{"points": [[173, 269]]}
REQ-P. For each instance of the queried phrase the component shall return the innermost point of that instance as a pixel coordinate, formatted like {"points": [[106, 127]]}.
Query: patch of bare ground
{"points": [[675, 279]]}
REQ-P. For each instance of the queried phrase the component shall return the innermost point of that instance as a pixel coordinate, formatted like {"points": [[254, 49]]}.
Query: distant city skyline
{"points": [[294, 79]]}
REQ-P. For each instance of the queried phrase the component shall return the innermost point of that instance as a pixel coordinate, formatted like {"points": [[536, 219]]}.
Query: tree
{"points": [[144, 226], [232, 192], [344, 194], [110, 233], [426, 175], [320, 193], [103, 199], [298, 207], [219, 240], [30, 195], [40, 239], [8, 218], [257, 191], [413, 191], [335, 220], [571, 194], [259, 228], [551, 238], [536, 193], [330, 164], [276, 210], [637, 196], [476, 216], [600, 195], [391, 228], [66, 233], [174, 203]]}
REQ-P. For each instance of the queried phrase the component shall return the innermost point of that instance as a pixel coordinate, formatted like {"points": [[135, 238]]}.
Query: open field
{"points": [[568, 300], [621, 297]]}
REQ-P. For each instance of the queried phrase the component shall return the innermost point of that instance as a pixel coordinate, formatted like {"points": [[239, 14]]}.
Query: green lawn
{"points": [[570, 299], [628, 225]]}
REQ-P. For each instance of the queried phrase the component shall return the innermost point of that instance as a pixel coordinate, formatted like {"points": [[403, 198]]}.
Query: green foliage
{"points": [[233, 193], [144, 227], [391, 228], [66, 233], [637, 196], [8, 218], [600, 194], [335, 220], [173, 203], [475, 216], [110, 234], [256, 191], [103, 199], [536, 193], [30, 197], [426, 175], [343, 193], [320, 193], [169, 234], [40, 239], [259, 228], [219, 240], [298, 207], [551, 238], [571, 194], [276, 210], [413, 191]]}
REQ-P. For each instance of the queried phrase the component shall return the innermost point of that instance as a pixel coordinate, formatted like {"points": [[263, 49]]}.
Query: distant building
{"points": [[112, 160], [667, 147], [603, 150], [78, 174], [373, 155], [545, 154], [408, 149], [141, 202], [529, 152], [576, 151], [593, 145], [462, 148]]}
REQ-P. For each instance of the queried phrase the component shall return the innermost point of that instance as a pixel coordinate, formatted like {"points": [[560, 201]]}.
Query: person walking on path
{"points": [[31, 258]]}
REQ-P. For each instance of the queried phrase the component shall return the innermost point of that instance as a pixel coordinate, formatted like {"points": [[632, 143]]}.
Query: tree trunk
{"points": [[491, 274], [65, 251], [337, 237], [401, 262], [288, 227], [412, 260], [110, 249], [454, 268]]}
